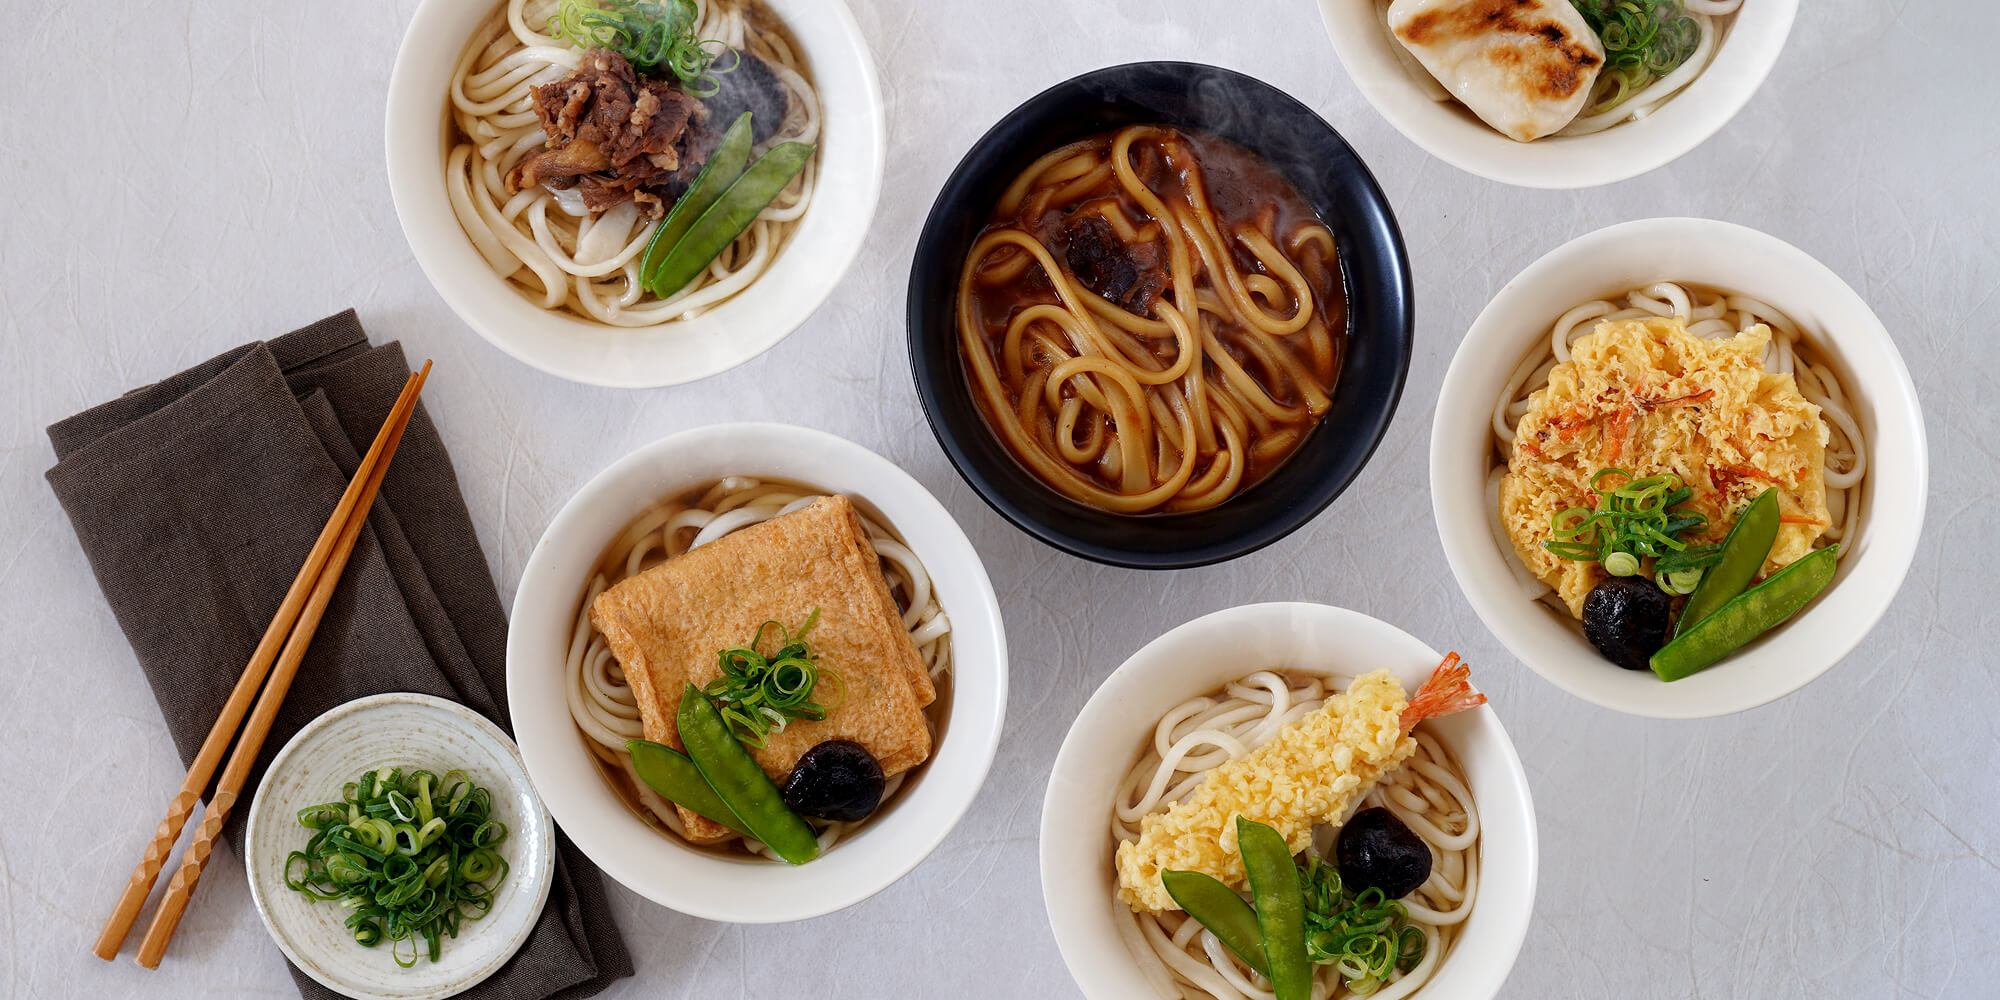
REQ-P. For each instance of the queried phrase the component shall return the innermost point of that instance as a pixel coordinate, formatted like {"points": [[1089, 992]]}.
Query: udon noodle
{"points": [[604, 707], [1217, 362], [1707, 313], [1429, 793], [545, 242]]}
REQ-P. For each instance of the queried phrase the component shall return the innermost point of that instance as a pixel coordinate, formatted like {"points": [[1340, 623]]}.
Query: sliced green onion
{"points": [[1366, 937], [406, 872], [758, 695]]}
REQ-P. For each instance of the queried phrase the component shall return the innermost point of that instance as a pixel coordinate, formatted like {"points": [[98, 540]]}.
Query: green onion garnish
{"points": [[411, 855], [758, 694], [1643, 41], [1640, 519], [650, 35], [1365, 936]]}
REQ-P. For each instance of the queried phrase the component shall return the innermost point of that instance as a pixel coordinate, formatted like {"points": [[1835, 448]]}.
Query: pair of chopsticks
{"points": [[285, 644]]}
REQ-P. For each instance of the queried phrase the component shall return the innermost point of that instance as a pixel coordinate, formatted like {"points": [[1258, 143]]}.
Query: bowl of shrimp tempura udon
{"points": [[1392, 795]]}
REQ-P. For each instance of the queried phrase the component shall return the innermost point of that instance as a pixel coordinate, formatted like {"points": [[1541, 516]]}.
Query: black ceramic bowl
{"points": [[1319, 163]]}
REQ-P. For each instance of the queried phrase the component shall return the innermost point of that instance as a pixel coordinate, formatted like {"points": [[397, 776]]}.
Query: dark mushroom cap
{"points": [[837, 780], [1376, 851]]}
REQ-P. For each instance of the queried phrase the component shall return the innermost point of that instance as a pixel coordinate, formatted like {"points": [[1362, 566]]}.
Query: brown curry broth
{"points": [[1243, 192]]}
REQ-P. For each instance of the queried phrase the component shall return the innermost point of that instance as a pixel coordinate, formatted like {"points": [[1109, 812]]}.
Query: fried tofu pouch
{"points": [[666, 626], [1649, 397], [1308, 774]]}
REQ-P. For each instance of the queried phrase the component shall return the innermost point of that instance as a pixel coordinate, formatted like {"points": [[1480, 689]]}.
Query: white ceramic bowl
{"points": [[705, 884], [407, 731], [1719, 255], [1078, 882], [852, 152], [1445, 129]]}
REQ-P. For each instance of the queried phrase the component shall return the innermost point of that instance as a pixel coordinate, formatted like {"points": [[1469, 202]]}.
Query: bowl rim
{"points": [[1845, 329], [467, 721], [973, 725], [931, 396], [1563, 163], [734, 333], [1503, 922]]}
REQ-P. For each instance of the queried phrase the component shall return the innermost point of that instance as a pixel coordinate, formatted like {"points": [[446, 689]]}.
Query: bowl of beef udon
{"points": [[1678, 467], [1558, 93], [756, 671], [1160, 315], [1288, 800], [634, 193]]}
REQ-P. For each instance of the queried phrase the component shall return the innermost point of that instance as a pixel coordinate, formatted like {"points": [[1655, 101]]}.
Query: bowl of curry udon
{"points": [[1160, 315], [1683, 448], [756, 671]]}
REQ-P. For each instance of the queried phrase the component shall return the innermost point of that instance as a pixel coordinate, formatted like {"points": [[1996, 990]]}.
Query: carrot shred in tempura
{"points": [[1614, 432], [1448, 690], [1799, 519]]}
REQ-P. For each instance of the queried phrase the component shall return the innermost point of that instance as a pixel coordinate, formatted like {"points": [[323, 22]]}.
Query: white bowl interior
{"points": [[1721, 255], [707, 884], [1078, 881], [852, 155], [1446, 130], [408, 731]]}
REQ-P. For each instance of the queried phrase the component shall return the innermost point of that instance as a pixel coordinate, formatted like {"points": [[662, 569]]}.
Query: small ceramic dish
{"points": [[1078, 882], [408, 731]]}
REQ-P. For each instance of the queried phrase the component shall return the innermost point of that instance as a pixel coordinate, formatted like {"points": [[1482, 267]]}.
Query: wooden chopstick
{"points": [[303, 605]]}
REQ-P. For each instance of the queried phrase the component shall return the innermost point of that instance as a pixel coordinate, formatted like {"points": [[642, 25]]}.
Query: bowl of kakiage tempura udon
{"points": [[1204, 696], [1646, 311], [681, 570]]}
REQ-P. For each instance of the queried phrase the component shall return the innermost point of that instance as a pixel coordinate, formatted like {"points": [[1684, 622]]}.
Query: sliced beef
{"points": [[613, 135], [1130, 274], [754, 87]]}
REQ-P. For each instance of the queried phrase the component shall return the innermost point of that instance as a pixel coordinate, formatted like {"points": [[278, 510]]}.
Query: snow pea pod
{"points": [[723, 167], [732, 212], [739, 782], [1225, 914], [1747, 616], [1280, 905], [669, 772], [1744, 550]]}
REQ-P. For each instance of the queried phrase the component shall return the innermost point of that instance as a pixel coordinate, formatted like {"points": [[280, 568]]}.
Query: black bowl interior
{"points": [[1309, 153]]}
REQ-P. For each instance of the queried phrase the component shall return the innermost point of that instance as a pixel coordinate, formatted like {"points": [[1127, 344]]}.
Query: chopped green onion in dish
{"points": [[1639, 519], [1366, 936], [412, 856], [1644, 40]]}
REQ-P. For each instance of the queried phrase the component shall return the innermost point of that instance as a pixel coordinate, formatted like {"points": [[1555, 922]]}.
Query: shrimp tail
{"points": [[1449, 690]]}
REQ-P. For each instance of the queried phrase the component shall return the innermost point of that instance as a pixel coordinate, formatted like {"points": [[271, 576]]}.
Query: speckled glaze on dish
{"points": [[406, 730]]}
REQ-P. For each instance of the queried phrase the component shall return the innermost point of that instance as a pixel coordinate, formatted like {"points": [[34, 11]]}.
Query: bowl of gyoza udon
{"points": [[708, 557], [1292, 715], [1714, 370], [1558, 93], [1160, 315], [634, 194]]}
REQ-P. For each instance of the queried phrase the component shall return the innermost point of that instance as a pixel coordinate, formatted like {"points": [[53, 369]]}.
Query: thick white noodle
{"points": [[604, 707], [1428, 792], [1710, 314], [543, 241]]}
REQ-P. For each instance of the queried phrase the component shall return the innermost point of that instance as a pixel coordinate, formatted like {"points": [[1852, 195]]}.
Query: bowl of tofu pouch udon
{"points": [[1678, 467], [1160, 315], [757, 672], [630, 193], [1369, 766], [1558, 93]]}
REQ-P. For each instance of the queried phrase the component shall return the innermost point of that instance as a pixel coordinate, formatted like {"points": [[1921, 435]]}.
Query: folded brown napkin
{"points": [[197, 498]]}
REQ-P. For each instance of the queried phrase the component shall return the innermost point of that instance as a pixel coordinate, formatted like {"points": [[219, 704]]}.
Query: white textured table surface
{"points": [[186, 177]]}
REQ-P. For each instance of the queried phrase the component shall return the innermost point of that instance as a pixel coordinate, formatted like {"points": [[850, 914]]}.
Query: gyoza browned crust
{"points": [[667, 624]]}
